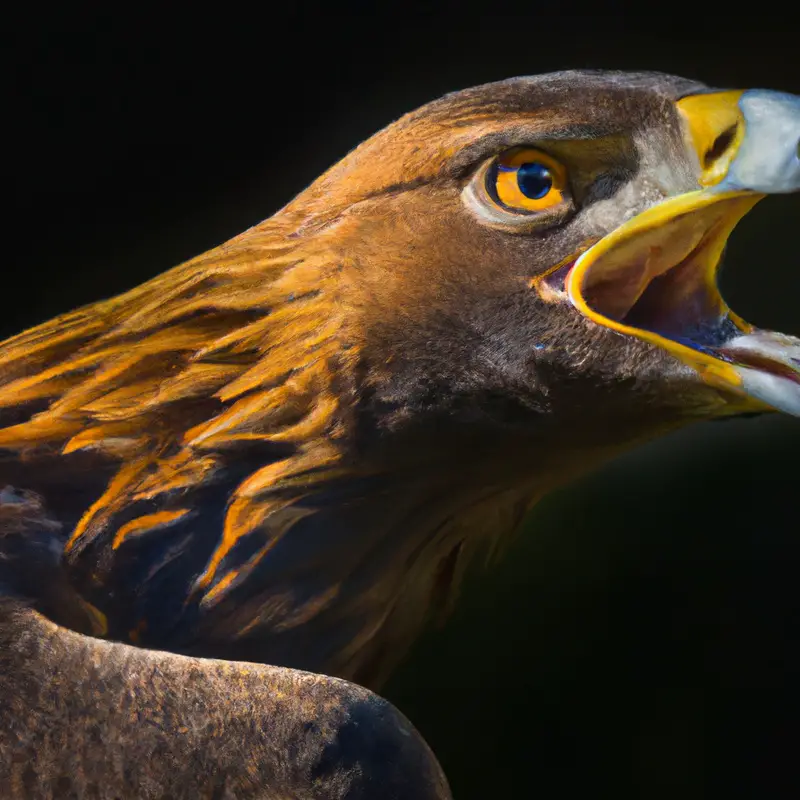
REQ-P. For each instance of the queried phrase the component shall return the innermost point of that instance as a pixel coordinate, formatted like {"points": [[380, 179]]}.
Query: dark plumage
{"points": [[287, 449], [80, 717]]}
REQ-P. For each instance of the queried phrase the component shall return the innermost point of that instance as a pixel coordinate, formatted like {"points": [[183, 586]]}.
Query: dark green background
{"points": [[640, 636]]}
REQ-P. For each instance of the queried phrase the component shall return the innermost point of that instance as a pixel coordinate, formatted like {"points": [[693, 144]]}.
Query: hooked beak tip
{"points": [[745, 140]]}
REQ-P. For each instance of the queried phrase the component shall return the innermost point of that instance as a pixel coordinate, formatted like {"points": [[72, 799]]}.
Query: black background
{"points": [[640, 637]]}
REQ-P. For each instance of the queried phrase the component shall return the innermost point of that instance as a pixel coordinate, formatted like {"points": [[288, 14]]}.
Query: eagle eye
{"points": [[526, 180], [520, 190]]}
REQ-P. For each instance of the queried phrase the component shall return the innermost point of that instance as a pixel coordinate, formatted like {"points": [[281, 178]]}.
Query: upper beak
{"points": [[654, 277]]}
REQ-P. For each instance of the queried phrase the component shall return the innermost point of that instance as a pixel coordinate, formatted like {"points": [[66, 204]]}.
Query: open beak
{"points": [[655, 277]]}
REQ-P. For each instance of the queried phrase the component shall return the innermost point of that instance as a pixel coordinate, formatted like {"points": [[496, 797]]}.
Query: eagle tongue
{"points": [[769, 366]]}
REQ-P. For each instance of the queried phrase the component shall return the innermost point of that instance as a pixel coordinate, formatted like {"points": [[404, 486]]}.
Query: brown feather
{"points": [[325, 417]]}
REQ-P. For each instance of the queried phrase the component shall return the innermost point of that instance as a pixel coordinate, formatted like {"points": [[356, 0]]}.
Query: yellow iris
{"points": [[529, 180]]}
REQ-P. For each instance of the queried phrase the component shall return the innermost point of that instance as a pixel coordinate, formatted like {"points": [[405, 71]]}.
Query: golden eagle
{"points": [[287, 449]]}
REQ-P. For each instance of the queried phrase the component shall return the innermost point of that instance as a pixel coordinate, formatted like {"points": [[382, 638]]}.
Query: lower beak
{"points": [[655, 277]]}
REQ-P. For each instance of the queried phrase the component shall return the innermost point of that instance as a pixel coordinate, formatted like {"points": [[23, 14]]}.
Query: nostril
{"points": [[720, 146]]}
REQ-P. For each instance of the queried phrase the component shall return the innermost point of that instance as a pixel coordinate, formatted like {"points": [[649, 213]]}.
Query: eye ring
{"points": [[480, 197], [525, 180]]}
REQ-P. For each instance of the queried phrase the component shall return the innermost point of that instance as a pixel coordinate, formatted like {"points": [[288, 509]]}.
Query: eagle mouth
{"points": [[655, 278]]}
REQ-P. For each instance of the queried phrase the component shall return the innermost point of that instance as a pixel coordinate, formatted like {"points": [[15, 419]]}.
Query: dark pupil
{"points": [[534, 180]]}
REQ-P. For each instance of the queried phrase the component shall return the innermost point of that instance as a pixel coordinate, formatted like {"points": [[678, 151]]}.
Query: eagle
{"points": [[287, 450]]}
